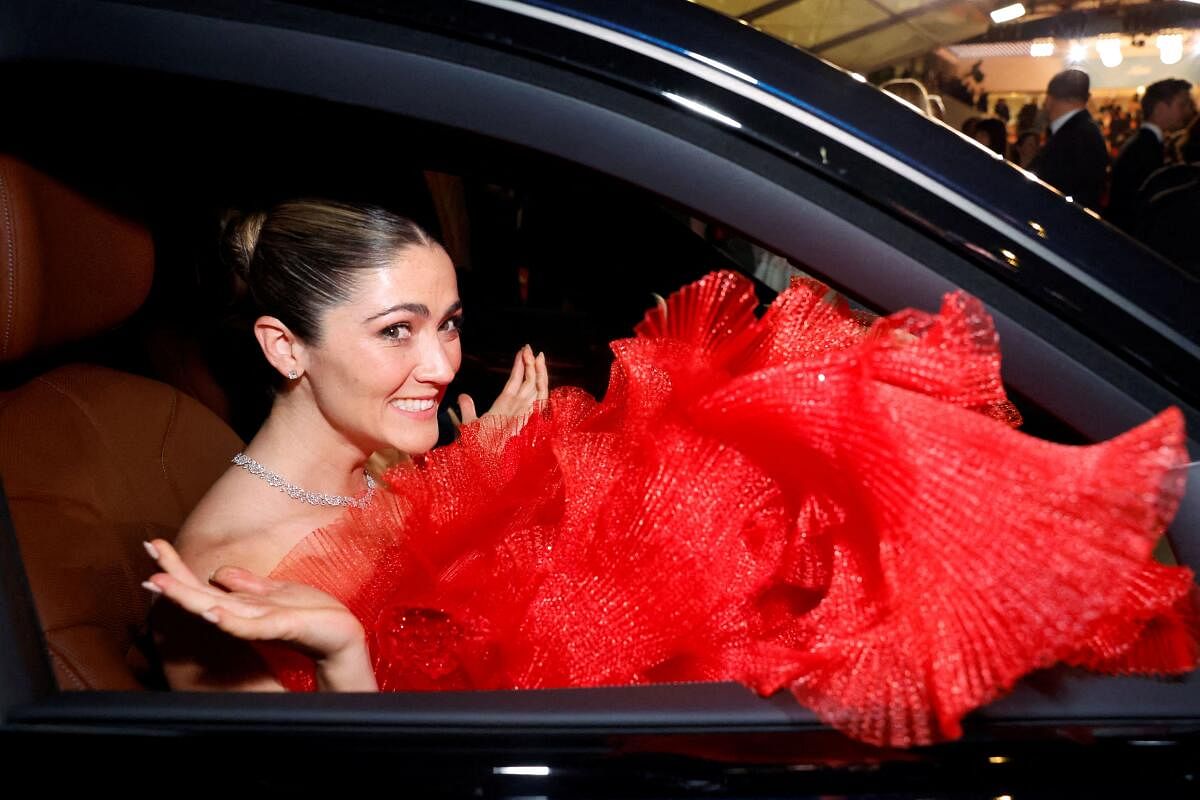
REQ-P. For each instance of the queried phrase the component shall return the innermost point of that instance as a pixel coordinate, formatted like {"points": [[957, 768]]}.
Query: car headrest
{"points": [[68, 268]]}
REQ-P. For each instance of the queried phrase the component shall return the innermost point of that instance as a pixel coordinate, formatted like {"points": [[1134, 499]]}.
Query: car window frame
{"points": [[1056, 375]]}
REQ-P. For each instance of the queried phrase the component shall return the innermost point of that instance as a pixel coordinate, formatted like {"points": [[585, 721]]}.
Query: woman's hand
{"points": [[528, 383], [255, 608]]}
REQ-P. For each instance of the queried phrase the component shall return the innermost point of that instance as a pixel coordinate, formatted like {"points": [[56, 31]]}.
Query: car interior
{"points": [[127, 342]]}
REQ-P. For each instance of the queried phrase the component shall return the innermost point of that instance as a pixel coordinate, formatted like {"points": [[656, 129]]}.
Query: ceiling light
{"points": [[1170, 47], [1109, 48], [1009, 13], [1078, 51], [1040, 48]]}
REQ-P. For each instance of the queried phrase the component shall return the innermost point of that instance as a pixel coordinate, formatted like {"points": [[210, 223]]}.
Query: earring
{"points": [[292, 375]]}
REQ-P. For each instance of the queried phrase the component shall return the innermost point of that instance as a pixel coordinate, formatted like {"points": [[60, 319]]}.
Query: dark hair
{"points": [[1070, 84], [1027, 116], [302, 257], [1163, 91], [996, 132]]}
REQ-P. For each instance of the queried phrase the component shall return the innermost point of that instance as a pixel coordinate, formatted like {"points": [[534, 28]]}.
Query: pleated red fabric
{"points": [[809, 501]]}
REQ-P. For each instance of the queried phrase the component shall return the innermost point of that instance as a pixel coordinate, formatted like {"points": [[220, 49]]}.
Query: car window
{"points": [[550, 251]]}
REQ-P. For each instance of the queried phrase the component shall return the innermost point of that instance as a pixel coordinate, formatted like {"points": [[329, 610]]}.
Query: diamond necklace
{"points": [[296, 493]]}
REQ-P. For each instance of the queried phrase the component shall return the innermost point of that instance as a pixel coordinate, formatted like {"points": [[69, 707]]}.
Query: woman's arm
{"points": [[250, 607]]}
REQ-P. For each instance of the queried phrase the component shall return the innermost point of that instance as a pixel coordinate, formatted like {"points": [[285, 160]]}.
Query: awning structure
{"points": [[866, 35]]}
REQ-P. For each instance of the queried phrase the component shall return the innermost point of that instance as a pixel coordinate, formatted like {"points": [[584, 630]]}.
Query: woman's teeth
{"points": [[413, 405]]}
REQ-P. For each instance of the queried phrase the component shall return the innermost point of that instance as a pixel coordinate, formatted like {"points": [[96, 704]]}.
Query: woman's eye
{"points": [[452, 325], [397, 332]]}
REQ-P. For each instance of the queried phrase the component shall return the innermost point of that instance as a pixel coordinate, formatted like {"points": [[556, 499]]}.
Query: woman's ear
{"points": [[283, 349]]}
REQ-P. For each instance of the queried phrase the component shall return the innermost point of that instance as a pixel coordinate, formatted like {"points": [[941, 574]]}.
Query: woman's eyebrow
{"points": [[420, 309]]}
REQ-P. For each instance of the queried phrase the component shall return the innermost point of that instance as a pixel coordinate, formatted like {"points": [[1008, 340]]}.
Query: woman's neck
{"points": [[298, 443]]}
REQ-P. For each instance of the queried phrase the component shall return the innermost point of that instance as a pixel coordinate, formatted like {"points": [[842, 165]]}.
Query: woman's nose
{"points": [[435, 365]]}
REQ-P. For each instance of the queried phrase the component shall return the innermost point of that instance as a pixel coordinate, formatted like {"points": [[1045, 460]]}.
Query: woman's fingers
{"points": [[170, 562], [517, 376], [199, 600], [321, 629], [543, 377], [466, 408], [265, 627], [529, 385], [195, 599], [236, 579]]}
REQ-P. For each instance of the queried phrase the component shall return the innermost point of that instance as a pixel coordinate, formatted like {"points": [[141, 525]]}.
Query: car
{"points": [[575, 156]]}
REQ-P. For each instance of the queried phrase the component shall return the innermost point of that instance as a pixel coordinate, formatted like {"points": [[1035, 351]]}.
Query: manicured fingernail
{"points": [[153, 588], [151, 550], [210, 616]]}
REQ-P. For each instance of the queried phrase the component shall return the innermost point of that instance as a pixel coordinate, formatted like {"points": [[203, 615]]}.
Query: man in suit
{"points": [[1075, 157], [1166, 107]]}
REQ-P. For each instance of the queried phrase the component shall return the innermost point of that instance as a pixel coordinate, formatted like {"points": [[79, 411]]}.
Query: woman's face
{"points": [[387, 355]]}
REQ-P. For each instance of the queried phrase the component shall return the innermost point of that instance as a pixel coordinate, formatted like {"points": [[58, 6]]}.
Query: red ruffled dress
{"points": [[801, 502]]}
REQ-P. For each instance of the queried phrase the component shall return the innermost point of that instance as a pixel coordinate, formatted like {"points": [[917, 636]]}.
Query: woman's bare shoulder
{"points": [[229, 527], [237, 524]]}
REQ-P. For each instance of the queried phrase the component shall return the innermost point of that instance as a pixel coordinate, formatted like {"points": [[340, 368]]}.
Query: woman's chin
{"points": [[414, 443]]}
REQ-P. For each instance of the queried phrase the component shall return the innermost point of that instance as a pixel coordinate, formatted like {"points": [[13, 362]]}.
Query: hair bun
{"points": [[239, 235]]}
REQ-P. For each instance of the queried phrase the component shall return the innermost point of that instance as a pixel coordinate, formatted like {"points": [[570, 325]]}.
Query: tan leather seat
{"points": [[93, 461]]}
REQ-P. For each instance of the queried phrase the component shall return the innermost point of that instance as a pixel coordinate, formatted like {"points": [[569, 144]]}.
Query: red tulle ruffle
{"points": [[806, 501]]}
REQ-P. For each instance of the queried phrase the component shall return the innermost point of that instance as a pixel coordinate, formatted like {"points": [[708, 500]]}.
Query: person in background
{"points": [[1118, 127], [1027, 118], [1075, 158], [993, 133], [1026, 148], [1001, 110], [1166, 107]]}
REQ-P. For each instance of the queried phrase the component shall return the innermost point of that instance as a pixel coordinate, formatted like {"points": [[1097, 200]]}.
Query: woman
{"points": [[360, 318], [802, 499]]}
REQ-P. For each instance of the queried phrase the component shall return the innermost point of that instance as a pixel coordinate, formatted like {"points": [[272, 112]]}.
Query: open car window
{"points": [[568, 201]]}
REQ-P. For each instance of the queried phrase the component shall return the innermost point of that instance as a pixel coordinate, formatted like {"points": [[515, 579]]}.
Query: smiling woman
{"points": [[359, 315]]}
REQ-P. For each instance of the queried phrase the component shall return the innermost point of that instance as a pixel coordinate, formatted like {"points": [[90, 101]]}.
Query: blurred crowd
{"points": [[1137, 163]]}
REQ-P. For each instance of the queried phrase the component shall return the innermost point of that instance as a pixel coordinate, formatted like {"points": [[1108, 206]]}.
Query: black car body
{"points": [[601, 115]]}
